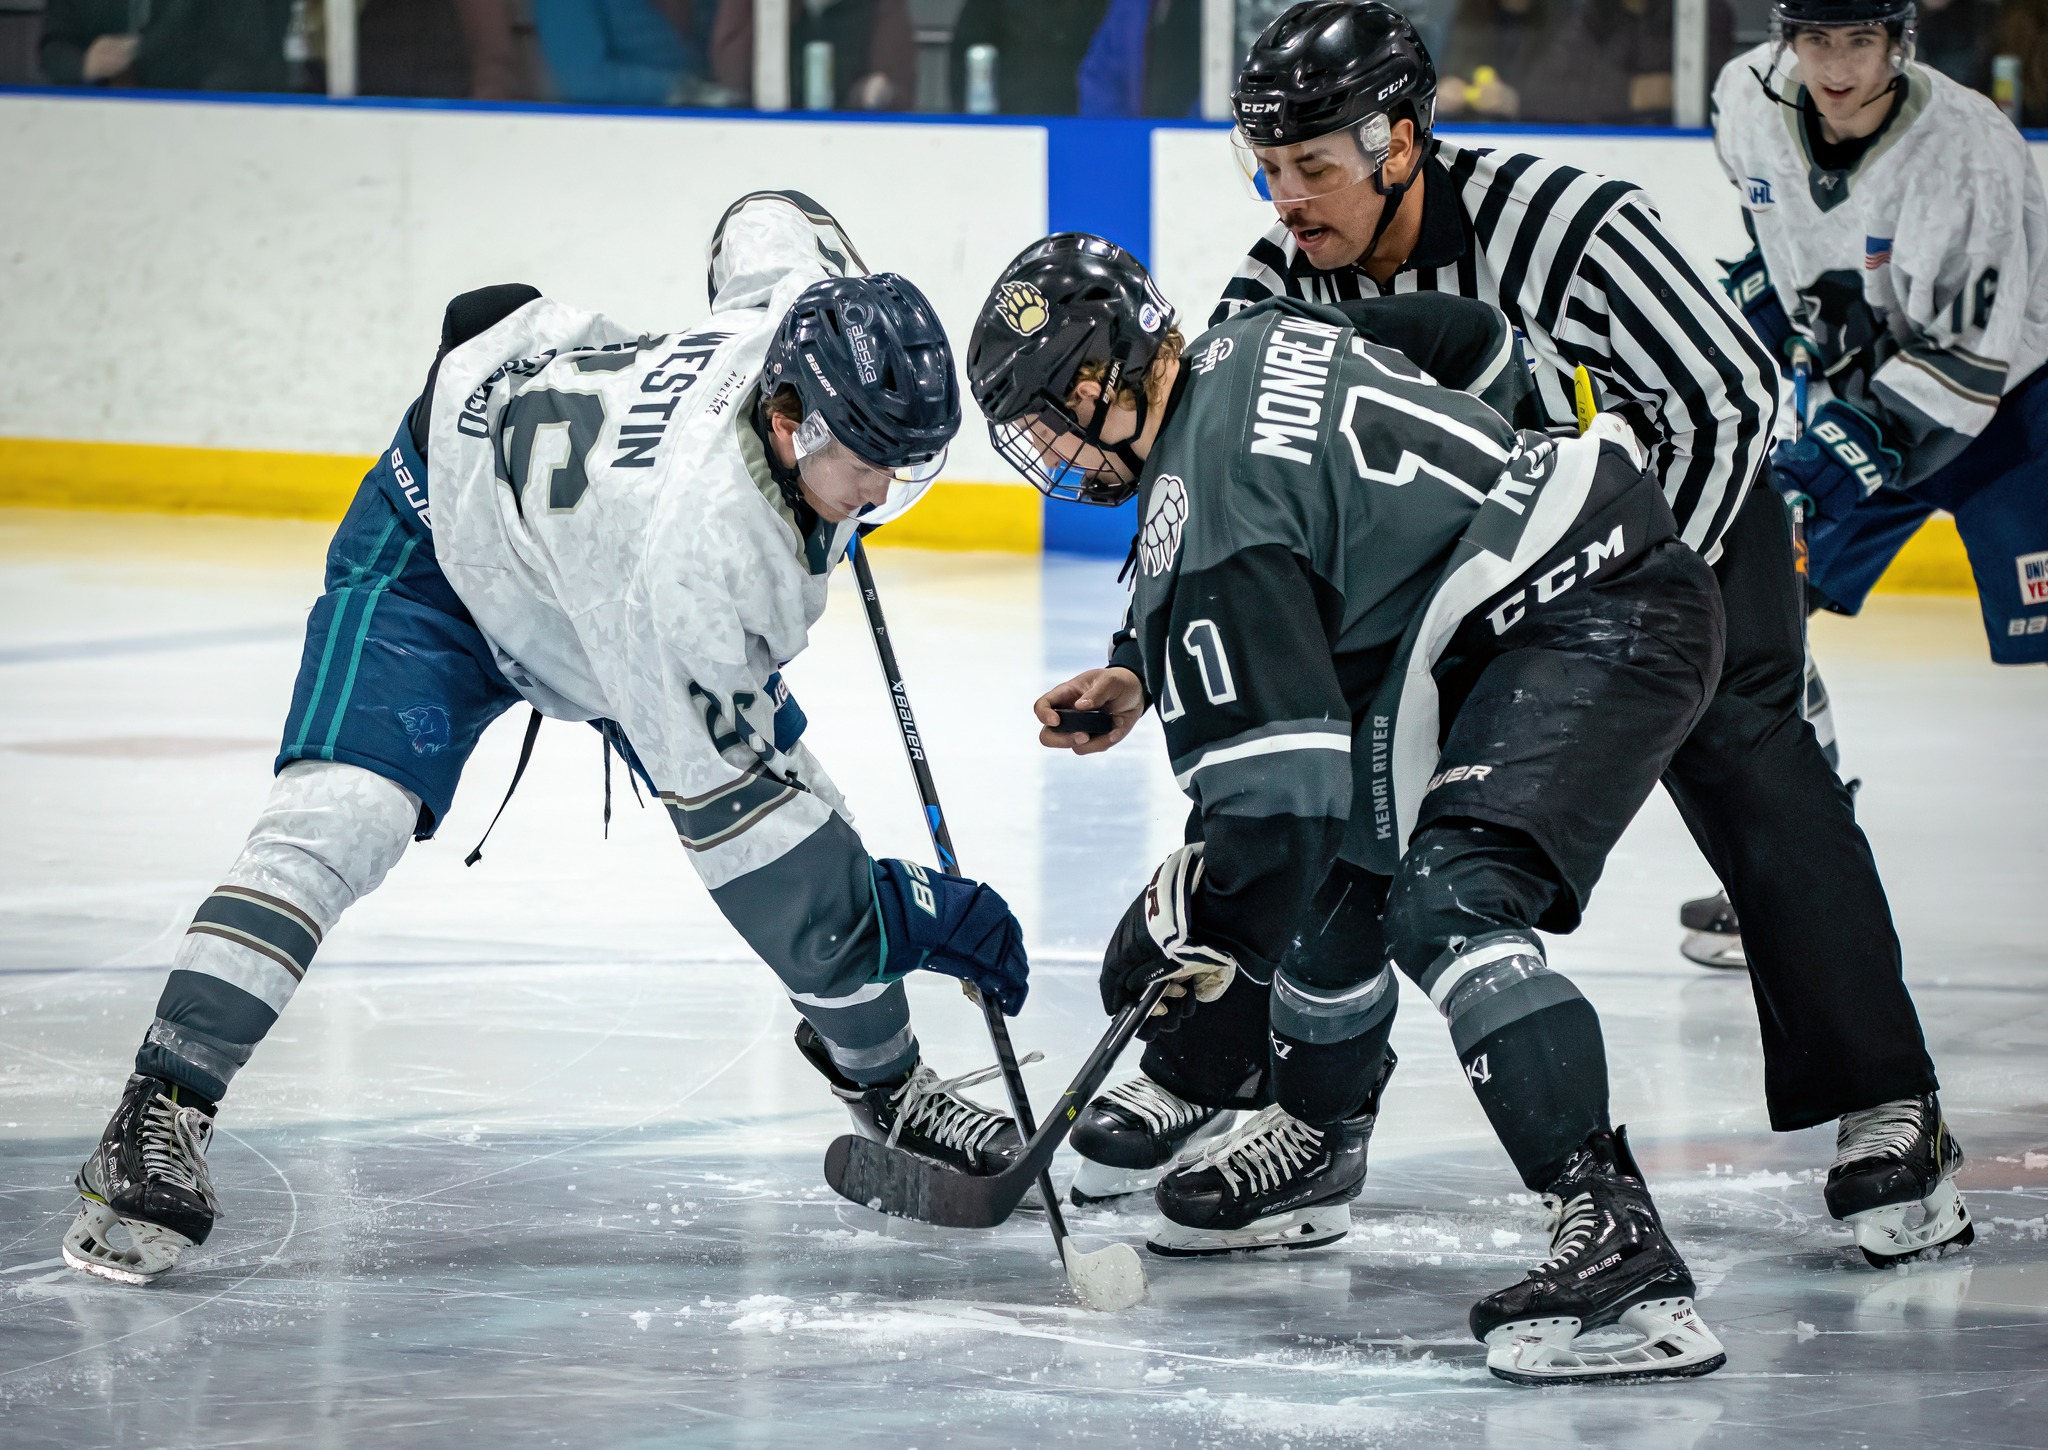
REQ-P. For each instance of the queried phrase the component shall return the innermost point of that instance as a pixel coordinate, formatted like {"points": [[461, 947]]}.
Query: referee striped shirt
{"points": [[1582, 267]]}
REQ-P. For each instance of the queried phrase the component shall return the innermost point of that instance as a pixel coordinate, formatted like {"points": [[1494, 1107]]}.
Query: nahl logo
{"points": [[1023, 307], [1165, 516], [1756, 194]]}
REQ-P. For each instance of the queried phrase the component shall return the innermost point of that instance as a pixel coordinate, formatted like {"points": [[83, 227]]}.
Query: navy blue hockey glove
{"points": [[953, 925], [1748, 285], [1153, 941], [1840, 462]]}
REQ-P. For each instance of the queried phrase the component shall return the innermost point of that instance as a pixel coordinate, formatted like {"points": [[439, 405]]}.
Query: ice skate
{"points": [[1611, 1267], [1136, 1133], [1713, 937], [146, 1183], [1893, 1181], [1273, 1182], [922, 1113]]}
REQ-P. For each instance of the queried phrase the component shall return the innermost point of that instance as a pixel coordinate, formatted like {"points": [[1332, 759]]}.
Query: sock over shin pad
{"points": [[1530, 1046], [326, 837]]}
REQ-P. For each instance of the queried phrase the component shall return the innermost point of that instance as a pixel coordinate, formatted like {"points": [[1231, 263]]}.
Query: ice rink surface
{"points": [[531, 1160]]}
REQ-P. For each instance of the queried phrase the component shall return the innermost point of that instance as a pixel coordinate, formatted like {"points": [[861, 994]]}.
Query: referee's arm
{"points": [[1643, 321]]}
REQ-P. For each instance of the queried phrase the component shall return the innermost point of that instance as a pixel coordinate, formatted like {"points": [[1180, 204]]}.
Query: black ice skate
{"points": [[1274, 1182], [1890, 1161], [1610, 1266], [921, 1113], [1713, 937], [146, 1182], [1135, 1134]]}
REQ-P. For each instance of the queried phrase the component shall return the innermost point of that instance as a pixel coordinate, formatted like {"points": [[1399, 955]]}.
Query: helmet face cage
{"points": [[1030, 444]]}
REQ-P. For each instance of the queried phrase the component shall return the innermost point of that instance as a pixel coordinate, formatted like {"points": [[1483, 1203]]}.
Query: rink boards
{"points": [[228, 301]]}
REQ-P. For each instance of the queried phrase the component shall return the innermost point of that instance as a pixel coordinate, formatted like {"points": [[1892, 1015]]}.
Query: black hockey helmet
{"points": [[1791, 15], [1339, 72], [874, 373], [1326, 65], [1064, 304]]}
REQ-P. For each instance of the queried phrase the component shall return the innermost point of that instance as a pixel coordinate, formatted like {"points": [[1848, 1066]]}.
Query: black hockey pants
{"points": [[1839, 1029]]}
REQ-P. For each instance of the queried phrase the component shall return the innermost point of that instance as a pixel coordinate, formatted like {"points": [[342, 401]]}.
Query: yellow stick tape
{"points": [[154, 478]]}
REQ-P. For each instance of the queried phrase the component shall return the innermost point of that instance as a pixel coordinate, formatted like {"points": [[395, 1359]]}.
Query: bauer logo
{"points": [[1756, 194], [2033, 578], [1165, 516], [1023, 307]]}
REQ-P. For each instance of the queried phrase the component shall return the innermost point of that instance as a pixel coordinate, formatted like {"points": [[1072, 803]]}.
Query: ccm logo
{"points": [[1557, 580]]}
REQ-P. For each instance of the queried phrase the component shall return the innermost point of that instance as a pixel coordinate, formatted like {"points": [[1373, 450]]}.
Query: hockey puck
{"points": [[1087, 722]]}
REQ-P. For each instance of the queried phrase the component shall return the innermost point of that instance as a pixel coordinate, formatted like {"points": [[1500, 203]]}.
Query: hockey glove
{"points": [[949, 924], [1748, 285], [1840, 462], [1152, 941]]}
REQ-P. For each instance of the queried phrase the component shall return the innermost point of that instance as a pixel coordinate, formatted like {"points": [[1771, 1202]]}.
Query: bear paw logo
{"points": [[1023, 306], [428, 728], [1165, 516]]}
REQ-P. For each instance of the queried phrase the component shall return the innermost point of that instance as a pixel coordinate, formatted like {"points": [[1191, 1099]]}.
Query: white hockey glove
{"points": [[1153, 940]]}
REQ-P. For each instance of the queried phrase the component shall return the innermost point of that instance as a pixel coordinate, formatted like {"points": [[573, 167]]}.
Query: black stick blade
{"points": [[904, 1185]]}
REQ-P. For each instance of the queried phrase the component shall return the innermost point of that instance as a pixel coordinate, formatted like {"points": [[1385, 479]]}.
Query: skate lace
{"points": [[1266, 1151], [1888, 1130], [927, 1103], [1162, 1112], [173, 1142], [1573, 1222]]}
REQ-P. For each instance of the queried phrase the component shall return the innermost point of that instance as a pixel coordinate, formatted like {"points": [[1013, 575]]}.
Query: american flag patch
{"points": [[1876, 252]]}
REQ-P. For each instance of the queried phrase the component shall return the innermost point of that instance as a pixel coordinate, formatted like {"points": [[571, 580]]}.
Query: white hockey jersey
{"points": [[602, 503], [1921, 274]]}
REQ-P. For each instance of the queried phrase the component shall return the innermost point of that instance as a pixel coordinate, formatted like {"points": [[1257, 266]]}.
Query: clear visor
{"points": [[1319, 166], [850, 485], [1053, 452]]}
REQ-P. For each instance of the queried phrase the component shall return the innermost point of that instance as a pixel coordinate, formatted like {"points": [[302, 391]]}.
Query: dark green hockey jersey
{"points": [[1319, 518]]}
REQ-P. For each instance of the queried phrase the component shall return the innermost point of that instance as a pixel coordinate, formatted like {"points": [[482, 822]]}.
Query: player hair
{"points": [[1170, 349], [784, 402]]}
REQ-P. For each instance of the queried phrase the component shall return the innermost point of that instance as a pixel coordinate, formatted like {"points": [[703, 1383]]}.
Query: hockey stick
{"points": [[907, 1186], [1802, 372], [1109, 1278]]}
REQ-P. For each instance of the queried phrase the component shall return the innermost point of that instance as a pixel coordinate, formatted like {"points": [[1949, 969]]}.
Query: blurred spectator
{"points": [[1593, 62], [1956, 37], [1039, 47], [874, 51], [440, 48], [1145, 60], [187, 45], [410, 48], [616, 52], [2023, 31], [497, 71]]}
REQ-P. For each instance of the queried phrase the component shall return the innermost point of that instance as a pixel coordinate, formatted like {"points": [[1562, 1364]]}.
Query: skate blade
{"points": [[1886, 1238], [1675, 1344], [1721, 950], [1104, 1183], [89, 1246], [1304, 1228]]}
